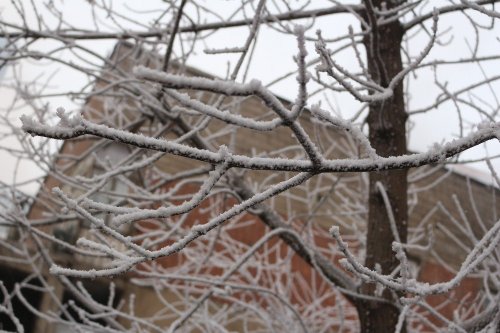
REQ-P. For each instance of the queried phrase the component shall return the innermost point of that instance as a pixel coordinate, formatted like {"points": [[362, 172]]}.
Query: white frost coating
{"points": [[303, 76], [197, 198], [66, 128], [345, 165], [347, 126], [328, 65], [241, 261], [127, 217], [224, 50], [66, 120], [479, 8], [481, 250], [390, 213], [196, 232], [414, 64], [27, 123], [218, 86], [486, 125], [225, 116], [255, 85]]}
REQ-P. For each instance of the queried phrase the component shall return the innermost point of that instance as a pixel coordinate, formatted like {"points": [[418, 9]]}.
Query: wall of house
{"points": [[443, 201]]}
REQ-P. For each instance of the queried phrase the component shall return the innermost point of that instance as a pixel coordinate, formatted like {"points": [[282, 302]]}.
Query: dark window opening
{"points": [[10, 277], [99, 292]]}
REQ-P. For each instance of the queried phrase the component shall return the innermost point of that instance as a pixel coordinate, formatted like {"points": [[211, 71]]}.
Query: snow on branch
{"points": [[121, 265], [80, 126], [481, 250], [481, 9], [224, 116], [127, 206], [380, 93], [228, 88]]}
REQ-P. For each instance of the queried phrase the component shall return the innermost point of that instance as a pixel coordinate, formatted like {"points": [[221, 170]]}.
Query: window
{"points": [[99, 292], [29, 291], [8, 202]]}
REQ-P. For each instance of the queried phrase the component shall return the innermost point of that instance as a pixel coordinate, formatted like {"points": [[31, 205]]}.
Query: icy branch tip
{"points": [[320, 42], [55, 270], [27, 123], [255, 84], [335, 231], [316, 108], [140, 71], [435, 13], [485, 125], [66, 120], [56, 190], [344, 263], [299, 29], [396, 246], [224, 152]]}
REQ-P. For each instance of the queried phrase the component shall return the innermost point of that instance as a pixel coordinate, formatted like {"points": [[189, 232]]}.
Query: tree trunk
{"points": [[387, 126]]}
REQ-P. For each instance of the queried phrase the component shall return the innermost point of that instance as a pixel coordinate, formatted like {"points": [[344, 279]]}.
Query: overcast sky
{"points": [[273, 57]]}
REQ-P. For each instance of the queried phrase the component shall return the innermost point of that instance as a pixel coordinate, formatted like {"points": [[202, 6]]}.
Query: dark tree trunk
{"points": [[387, 126]]}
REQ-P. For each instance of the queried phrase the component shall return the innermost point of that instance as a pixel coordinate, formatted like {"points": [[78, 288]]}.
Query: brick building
{"points": [[443, 201]]}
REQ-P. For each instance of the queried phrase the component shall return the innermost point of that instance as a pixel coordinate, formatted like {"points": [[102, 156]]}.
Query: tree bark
{"points": [[387, 133]]}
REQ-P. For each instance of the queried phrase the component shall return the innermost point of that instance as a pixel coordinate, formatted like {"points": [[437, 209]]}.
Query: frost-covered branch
{"points": [[202, 202], [81, 127]]}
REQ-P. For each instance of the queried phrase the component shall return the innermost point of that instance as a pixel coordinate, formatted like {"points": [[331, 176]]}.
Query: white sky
{"points": [[273, 57]]}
